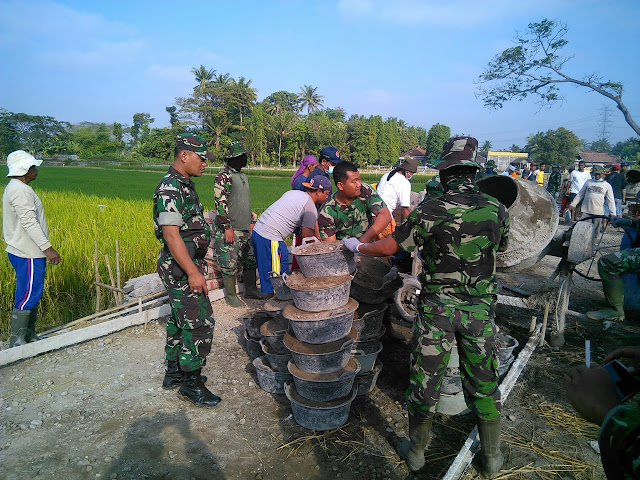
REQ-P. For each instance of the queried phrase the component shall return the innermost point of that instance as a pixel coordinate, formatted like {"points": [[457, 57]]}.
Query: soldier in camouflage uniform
{"points": [[489, 171], [595, 397], [457, 235], [233, 226], [555, 179], [433, 188], [355, 210], [613, 266], [178, 220]]}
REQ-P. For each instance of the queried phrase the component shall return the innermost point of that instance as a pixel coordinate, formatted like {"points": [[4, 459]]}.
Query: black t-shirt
{"points": [[618, 183]]}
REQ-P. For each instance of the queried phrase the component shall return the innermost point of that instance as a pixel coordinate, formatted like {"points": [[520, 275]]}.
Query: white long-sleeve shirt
{"points": [[594, 194], [23, 223]]}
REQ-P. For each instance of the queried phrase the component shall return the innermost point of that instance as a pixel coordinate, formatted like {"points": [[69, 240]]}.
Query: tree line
{"points": [[277, 131]]}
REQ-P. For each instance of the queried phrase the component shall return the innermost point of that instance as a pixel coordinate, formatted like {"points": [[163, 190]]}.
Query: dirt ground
{"points": [[97, 410]]}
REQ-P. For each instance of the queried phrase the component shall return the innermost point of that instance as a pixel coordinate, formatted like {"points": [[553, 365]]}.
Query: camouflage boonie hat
{"points": [[194, 143], [458, 151], [490, 164], [235, 149]]}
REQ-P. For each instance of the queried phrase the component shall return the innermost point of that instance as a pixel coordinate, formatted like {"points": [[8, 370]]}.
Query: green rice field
{"points": [[83, 205]]}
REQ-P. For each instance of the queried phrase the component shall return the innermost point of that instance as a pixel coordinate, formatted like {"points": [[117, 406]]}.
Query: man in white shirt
{"points": [[577, 178], [28, 247], [593, 194], [394, 188]]}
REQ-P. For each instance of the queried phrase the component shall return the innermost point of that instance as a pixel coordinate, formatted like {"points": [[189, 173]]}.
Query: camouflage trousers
{"points": [[190, 328], [434, 332], [619, 263], [231, 255]]}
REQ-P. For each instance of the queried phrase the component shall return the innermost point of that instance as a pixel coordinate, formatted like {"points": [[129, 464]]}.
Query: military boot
{"points": [[491, 457], [174, 375], [31, 335], [250, 288], [230, 288], [613, 289], [193, 389], [412, 450], [19, 327]]}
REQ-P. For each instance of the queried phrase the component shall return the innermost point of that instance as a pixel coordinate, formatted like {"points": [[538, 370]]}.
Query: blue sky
{"points": [[103, 61]]}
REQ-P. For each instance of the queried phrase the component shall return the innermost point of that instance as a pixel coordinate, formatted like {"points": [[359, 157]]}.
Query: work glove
{"points": [[351, 244], [622, 222]]}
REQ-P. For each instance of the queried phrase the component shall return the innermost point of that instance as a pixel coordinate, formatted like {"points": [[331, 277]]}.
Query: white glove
{"points": [[352, 244]]}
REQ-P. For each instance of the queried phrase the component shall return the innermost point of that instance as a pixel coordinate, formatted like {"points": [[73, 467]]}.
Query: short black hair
{"points": [[340, 171]]}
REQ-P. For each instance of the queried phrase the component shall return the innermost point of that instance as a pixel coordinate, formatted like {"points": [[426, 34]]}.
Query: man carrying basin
{"points": [[457, 236], [292, 210]]}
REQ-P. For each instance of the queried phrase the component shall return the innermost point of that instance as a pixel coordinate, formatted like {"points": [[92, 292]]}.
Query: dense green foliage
{"points": [[554, 147]]}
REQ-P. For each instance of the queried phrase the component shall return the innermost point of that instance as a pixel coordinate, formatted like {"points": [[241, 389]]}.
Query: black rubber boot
{"points": [[412, 450], [31, 335], [193, 389], [174, 375], [19, 327], [250, 288], [230, 291], [491, 458]]}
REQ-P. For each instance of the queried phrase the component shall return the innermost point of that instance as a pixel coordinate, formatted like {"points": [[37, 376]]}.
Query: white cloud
{"points": [[454, 13], [60, 36]]}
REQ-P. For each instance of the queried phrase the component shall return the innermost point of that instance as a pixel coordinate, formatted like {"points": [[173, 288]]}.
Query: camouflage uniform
{"points": [[351, 220], [457, 236], [190, 328], [619, 440], [433, 187], [553, 185], [616, 264], [230, 255]]}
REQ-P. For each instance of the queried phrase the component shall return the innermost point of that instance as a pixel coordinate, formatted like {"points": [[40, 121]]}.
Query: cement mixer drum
{"points": [[533, 218]]}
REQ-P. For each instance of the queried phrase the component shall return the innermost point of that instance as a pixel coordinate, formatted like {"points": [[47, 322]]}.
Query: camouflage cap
{"points": [[458, 151], [597, 169], [194, 143], [235, 149], [490, 164]]}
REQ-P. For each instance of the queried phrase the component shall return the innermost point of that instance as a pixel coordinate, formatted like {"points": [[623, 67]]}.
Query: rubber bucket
{"points": [[367, 320], [365, 382], [268, 379], [279, 287], [370, 345], [321, 327], [324, 259], [253, 323], [533, 219], [368, 282], [506, 345], [319, 415], [367, 360], [320, 358], [273, 333], [277, 361], [317, 294], [322, 387], [254, 349]]}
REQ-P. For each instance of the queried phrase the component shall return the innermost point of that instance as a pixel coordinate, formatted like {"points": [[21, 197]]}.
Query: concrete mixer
{"points": [[533, 234]]}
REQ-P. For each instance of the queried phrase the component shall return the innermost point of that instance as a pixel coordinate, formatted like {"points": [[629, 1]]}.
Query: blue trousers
{"points": [[271, 255], [29, 280]]}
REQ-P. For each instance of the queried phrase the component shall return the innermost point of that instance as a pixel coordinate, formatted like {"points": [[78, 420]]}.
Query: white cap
{"points": [[19, 163]]}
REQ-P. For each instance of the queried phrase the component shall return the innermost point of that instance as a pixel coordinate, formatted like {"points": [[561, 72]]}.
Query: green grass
{"points": [[71, 198]]}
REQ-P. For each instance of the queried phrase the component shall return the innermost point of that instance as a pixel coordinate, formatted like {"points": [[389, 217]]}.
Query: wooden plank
{"points": [[468, 450], [15, 354]]}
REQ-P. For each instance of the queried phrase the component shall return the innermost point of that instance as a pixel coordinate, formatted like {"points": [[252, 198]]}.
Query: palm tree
{"points": [[224, 79], [203, 75], [281, 126], [310, 98], [245, 95]]}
